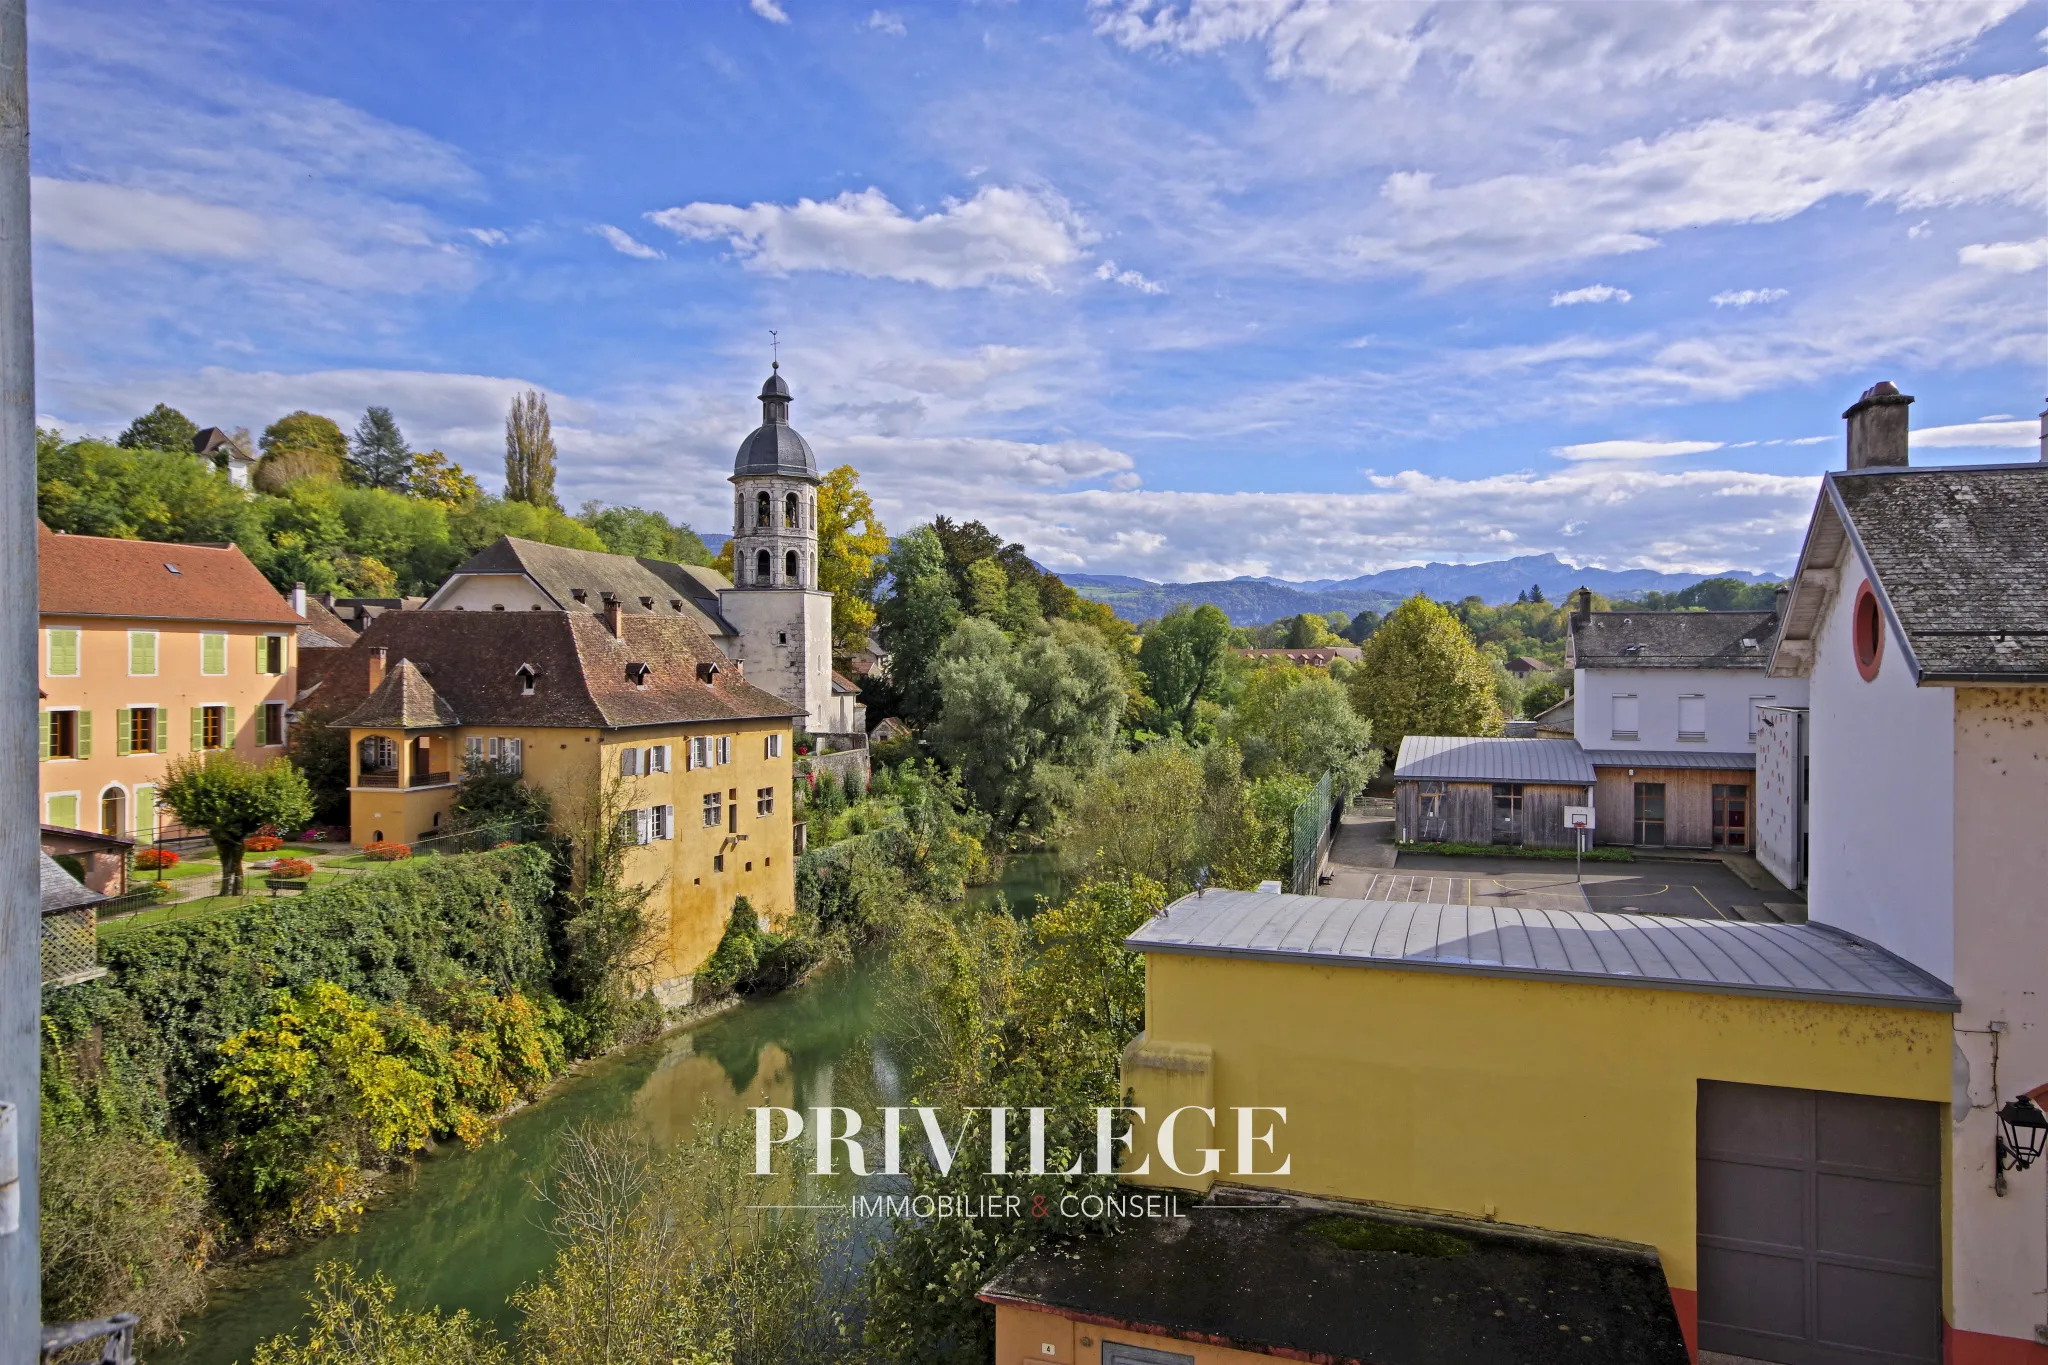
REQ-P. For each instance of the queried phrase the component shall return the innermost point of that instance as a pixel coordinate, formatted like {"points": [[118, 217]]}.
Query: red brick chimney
{"points": [[1877, 428], [614, 615], [376, 667]]}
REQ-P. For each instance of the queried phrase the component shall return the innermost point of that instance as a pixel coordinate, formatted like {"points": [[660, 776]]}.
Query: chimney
{"points": [[1778, 600], [376, 667], [2044, 435], [1582, 606], [614, 615], [1877, 428], [299, 598]]}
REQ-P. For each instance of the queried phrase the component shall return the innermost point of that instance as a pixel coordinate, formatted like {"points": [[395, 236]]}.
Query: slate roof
{"points": [[62, 891], [774, 448], [211, 440], [643, 587], [322, 629], [1455, 758], [1668, 758], [153, 580], [405, 700], [1674, 639], [1784, 961], [1960, 556], [1256, 1271], [472, 660], [1560, 717]]}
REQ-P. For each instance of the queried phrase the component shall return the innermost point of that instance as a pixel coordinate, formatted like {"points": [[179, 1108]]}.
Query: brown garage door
{"points": [[1819, 1226]]}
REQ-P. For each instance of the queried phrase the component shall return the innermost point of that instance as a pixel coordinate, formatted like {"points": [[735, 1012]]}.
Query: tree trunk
{"points": [[230, 851]]}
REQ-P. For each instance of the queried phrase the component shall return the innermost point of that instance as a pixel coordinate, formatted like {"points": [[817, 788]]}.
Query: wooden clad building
{"points": [[1464, 790]]}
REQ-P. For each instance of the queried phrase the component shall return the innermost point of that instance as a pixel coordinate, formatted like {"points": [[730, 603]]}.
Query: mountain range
{"points": [[1253, 601]]}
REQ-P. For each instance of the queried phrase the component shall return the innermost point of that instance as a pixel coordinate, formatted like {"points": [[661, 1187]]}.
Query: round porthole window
{"points": [[1869, 632]]}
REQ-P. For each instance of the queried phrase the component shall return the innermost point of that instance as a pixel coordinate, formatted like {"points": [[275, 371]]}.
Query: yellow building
{"points": [[636, 714], [1758, 1109], [150, 651]]}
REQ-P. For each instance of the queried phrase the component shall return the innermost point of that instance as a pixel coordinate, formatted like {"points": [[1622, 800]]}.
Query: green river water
{"points": [[467, 1229]]}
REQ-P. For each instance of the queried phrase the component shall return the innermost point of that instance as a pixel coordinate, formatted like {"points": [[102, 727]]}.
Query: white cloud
{"points": [[626, 244], [1919, 230], [111, 218], [1632, 450], [881, 21], [489, 236], [1979, 434], [1129, 279], [999, 236], [769, 10], [1952, 142], [1507, 49], [1592, 293], [1743, 298], [2008, 258]]}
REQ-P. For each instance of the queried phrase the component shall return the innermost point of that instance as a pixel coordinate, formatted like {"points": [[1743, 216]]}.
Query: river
{"points": [[468, 1230]]}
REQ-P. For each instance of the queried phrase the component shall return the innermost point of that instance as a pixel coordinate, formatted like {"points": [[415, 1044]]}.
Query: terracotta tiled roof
{"points": [[581, 673], [153, 580], [404, 700]]}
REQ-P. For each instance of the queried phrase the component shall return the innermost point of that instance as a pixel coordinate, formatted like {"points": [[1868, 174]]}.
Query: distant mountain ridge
{"points": [[1253, 601]]}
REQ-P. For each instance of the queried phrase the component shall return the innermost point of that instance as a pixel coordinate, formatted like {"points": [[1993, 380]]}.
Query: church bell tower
{"points": [[783, 619]]}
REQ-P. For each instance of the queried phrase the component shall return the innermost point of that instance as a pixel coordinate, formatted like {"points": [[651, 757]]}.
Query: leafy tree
{"points": [[1182, 656], [355, 1322], [378, 456], [850, 543], [916, 619], [481, 523], [161, 428], [971, 542], [300, 446], [1360, 627], [1171, 813], [136, 493], [1299, 720], [644, 534], [1540, 697], [1310, 631], [436, 478], [1715, 594], [530, 452], [231, 798], [1421, 675]]}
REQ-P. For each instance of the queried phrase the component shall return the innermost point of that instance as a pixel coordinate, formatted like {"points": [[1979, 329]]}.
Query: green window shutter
{"points": [[64, 811], [124, 731], [227, 729], [213, 654], [145, 812], [163, 728], [85, 734], [198, 728], [63, 653], [43, 724], [142, 653]]}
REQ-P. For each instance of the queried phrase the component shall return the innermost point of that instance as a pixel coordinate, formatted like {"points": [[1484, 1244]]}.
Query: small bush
{"points": [[297, 868], [310, 835], [152, 859], [387, 851], [262, 843]]}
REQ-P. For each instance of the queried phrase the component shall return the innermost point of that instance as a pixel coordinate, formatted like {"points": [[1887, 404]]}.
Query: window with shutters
{"points": [[473, 753], [270, 654], [60, 734], [145, 811], [664, 822], [658, 758], [1626, 717], [212, 728], [1692, 717], [724, 749], [213, 653], [270, 727], [63, 661], [700, 752], [144, 728], [714, 810], [764, 801], [508, 754], [629, 763], [142, 654], [775, 746], [61, 808]]}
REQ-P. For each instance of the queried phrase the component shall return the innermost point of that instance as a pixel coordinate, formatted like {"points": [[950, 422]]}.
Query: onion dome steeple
{"points": [[774, 448]]}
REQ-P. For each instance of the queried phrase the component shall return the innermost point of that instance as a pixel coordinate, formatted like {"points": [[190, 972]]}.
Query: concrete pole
{"points": [[21, 926]]}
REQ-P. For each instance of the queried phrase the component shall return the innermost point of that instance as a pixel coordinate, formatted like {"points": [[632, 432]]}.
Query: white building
{"points": [[1918, 619], [775, 621], [1665, 704]]}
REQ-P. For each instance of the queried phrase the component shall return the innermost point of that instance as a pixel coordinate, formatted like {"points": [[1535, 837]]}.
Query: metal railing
{"points": [[427, 780], [1311, 835], [114, 1336], [70, 947], [372, 779]]}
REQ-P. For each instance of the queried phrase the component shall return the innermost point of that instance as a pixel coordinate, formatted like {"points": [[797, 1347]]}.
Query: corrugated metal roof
{"points": [[1790, 961], [1457, 758], [1667, 758]]}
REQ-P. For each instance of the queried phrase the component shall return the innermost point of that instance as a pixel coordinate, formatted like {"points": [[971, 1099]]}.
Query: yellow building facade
{"points": [[149, 652]]}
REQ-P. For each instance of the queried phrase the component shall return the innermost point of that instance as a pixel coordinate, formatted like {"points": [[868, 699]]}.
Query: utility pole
{"points": [[21, 919]]}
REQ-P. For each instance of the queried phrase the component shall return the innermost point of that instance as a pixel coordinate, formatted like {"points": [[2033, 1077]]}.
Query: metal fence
{"points": [[1312, 826], [103, 1341], [70, 947]]}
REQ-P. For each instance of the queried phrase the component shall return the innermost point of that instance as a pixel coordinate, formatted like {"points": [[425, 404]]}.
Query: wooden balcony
{"points": [[385, 779]]}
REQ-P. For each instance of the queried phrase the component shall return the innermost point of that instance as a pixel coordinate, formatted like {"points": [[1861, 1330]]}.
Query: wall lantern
{"points": [[2022, 1131]]}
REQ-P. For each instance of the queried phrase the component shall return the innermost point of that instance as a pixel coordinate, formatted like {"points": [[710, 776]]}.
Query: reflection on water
{"points": [[468, 1229], [1026, 877]]}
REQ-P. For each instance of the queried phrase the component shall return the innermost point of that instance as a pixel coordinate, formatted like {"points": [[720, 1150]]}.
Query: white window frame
{"points": [[775, 746], [473, 752], [629, 762], [714, 809], [764, 801], [1635, 704], [221, 636], [663, 821], [657, 758], [263, 656], [1698, 736], [50, 650], [700, 752], [724, 749], [156, 660], [508, 754]]}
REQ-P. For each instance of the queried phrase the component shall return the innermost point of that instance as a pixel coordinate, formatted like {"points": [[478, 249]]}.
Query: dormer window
{"points": [[580, 594], [707, 672], [675, 603], [638, 674], [527, 677], [647, 604]]}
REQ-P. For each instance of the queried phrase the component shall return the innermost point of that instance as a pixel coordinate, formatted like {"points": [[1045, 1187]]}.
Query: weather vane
{"points": [[774, 349]]}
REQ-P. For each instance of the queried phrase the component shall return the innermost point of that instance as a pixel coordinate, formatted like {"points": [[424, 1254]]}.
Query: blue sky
{"points": [[1185, 289]]}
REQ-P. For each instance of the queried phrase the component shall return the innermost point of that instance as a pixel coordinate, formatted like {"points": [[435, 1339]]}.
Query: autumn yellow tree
{"points": [[850, 540]]}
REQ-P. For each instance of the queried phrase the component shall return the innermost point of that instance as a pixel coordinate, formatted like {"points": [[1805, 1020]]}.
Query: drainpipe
{"points": [[21, 921]]}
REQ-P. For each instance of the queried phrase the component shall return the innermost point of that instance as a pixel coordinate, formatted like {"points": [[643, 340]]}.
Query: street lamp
{"points": [[2022, 1131]]}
